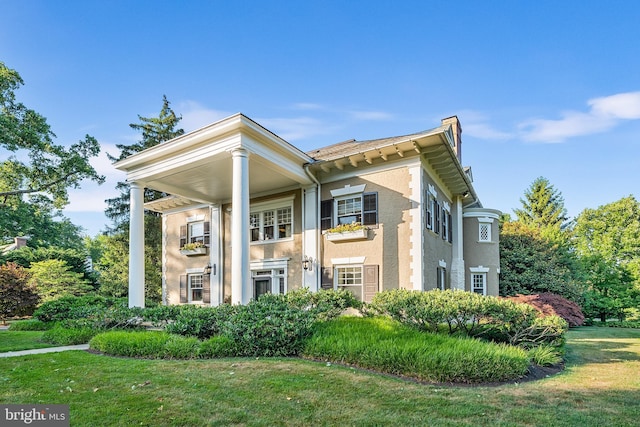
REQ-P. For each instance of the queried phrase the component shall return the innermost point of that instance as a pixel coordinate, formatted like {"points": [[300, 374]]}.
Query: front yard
{"points": [[600, 386]]}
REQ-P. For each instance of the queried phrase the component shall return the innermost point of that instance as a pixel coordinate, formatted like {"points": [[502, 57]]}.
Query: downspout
{"points": [[318, 232]]}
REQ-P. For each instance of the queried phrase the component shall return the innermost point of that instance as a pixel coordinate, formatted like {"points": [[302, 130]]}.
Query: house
{"points": [[250, 213]]}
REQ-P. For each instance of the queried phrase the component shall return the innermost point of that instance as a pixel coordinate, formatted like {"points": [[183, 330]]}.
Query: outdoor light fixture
{"points": [[307, 263], [207, 269]]}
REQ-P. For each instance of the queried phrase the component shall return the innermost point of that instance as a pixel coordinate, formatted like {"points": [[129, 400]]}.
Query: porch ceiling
{"points": [[199, 165]]}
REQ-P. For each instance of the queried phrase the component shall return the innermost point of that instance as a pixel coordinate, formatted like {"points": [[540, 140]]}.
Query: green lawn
{"points": [[600, 387], [21, 340]]}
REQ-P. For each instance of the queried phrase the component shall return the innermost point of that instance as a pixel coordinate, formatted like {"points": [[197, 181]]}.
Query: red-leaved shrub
{"points": [[548, 303]]}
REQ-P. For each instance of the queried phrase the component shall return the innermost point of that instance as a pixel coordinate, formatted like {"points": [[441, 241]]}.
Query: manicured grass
{"points": [[600, 387], [21, 340]]}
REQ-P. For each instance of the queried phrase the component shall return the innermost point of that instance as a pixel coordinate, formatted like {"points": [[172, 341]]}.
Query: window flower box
{"points": [[347, 232], [193, 249]]}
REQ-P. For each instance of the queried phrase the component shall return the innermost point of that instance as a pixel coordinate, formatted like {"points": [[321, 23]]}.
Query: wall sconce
{"points": [[307, 263]]}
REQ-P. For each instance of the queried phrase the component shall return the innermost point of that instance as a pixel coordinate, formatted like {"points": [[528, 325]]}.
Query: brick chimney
{"points": [[457, 134], [20, 242]]}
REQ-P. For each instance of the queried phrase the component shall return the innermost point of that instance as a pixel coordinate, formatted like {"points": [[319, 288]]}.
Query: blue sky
{"points": [[544, 88]]}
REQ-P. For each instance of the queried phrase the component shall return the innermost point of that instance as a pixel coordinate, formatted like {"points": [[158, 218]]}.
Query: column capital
{"points": [[239, 152]]}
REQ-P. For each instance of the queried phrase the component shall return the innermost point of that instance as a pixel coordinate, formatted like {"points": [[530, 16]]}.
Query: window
{"points": [[269, 282], [479, 283], [362, 208], [195, 232], [350, 278], [484, 232], [441, 278], [195, 287], [272, 224], [430, 204]]}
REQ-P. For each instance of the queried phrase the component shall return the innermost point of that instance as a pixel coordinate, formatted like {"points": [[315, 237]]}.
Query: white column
{"points": [[310, 218], [136, 245], [457, 262], [215, 258], [240, 270]]}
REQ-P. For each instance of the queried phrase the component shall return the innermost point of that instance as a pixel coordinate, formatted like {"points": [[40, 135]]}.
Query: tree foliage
{"points": [[543, 208], [155, 130], [17, 296], [37, 166], [530, 264], [54, 278]]}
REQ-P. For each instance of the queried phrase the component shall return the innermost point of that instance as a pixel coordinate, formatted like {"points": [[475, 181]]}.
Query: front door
{"points": [[261, 286]]}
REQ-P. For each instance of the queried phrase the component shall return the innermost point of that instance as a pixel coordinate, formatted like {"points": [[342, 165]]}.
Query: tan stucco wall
{"points": [[387, 244], [435, 247], [176, 264], [291, 248]]}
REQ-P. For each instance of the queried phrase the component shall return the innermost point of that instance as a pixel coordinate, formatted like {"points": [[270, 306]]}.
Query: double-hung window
{"points": [[267, 223], [350, 277], [195, 287], [195, 232], [479, 283], [361, 208]]}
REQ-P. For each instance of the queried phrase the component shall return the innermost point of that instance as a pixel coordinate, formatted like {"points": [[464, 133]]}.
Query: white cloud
{"points": [[604, 113], [307, 106], [195, 115], [476, 124], [296, 128], [370, 115]]}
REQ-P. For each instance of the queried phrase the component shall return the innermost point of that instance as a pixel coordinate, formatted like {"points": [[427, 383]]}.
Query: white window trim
{"points": [[489, 225], [272, 265], [482, 274], [189, 289], [273, 205], [348, 190]]}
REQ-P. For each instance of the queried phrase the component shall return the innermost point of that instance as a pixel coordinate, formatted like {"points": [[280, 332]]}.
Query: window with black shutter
{"points": [[326, 214], [370, 208]]}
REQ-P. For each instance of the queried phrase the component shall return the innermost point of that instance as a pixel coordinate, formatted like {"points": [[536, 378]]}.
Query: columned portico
{"points": [[240, 262], [136, 245]]}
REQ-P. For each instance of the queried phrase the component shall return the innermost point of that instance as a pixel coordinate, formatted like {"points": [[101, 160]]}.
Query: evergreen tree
{"points": [[543, 208], [155, 130], [114, 265]]}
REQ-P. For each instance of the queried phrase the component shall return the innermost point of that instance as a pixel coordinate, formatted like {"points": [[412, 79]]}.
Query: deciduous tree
{"points": [[17, 296]]}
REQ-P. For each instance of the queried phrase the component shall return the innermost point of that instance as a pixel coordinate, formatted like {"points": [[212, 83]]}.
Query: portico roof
{"points": [[198, 166]]}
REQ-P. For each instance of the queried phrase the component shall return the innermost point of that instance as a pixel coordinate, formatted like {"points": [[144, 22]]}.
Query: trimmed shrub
{"points": [[30, 325], [324, 304], [491, 318], [387, 346], [215, 347], [71, 307], [549, 304], [269, 327], [149, 344], [60, 335], [202, 322], [179, 347]]}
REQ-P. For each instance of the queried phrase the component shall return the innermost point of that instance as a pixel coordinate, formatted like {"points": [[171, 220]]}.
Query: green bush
{"points": [[324, 304], [219, 346], [162, 314], [146, 344], [149, 344], [387, 346], [491, 318], [30, 325], [71, 307], [268, 327], [202, 322], [60, 335]]}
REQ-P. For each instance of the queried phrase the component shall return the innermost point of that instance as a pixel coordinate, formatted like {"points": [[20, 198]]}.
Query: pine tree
{"points": [[543, 207], [155, 130]]}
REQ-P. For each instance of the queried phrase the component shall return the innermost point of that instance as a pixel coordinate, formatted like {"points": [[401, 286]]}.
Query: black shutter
{"points": [[450, 236], [183, 289], [183, 235], [370, 209], [206, 289], [445, 224], [428, 213], [207, 232], [370, 283], [326, 214]]}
